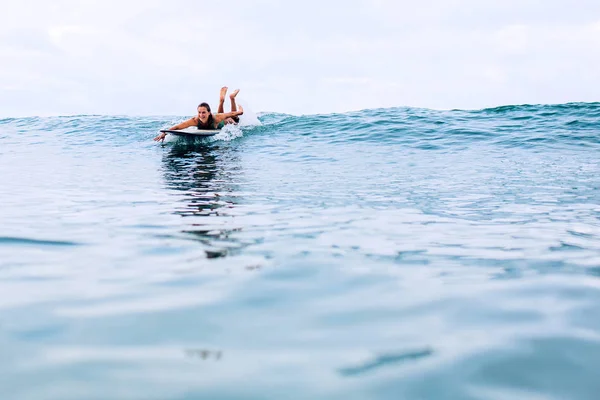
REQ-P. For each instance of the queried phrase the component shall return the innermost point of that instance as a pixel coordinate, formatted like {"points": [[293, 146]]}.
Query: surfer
{"points": [[230, 120], [204, 120]]}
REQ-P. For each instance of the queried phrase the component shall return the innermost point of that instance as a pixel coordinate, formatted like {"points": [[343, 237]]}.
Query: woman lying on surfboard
{"points": [[204, 120]]}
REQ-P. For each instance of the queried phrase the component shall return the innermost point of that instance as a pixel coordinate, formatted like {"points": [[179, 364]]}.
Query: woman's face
{"points": [[203, 113]]}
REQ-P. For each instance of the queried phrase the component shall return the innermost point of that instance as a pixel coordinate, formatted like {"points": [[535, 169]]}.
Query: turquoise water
{"points": [[392, 254]]}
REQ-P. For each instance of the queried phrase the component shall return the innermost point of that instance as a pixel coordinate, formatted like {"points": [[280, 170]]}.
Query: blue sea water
{"points": [[389, 253]]}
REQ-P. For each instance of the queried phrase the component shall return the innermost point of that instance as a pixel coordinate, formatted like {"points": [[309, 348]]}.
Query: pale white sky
{"points": [[156, 57]]}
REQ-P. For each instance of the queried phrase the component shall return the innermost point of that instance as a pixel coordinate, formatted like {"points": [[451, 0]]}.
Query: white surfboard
{"points": [[192, 132]]}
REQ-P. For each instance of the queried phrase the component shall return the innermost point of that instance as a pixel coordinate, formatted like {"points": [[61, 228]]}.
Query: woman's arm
{"points": [[181, 125], [184, 124], [221, 117]]}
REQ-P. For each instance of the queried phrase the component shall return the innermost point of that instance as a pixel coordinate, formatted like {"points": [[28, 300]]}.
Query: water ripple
{"points": [[384, 253]]}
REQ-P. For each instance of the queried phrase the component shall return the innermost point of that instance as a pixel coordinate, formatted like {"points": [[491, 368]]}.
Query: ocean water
{"points": [[382, 254]]}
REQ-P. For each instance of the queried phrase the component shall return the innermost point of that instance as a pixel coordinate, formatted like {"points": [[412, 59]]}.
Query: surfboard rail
{"points": [[192, 132]]}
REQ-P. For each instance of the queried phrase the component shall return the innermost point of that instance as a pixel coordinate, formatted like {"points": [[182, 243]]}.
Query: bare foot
{"points": [[223, 93], [235, 92]]}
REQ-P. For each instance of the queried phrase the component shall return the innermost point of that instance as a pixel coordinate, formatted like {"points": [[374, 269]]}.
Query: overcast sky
{"points": [[157, 57]]}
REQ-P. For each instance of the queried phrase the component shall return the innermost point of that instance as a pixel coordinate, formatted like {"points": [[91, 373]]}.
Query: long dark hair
{"points": [[210, 123], [205, 105]]}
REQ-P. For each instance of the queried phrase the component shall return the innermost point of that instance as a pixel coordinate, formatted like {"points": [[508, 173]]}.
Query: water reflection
{"points": [[204, 354], [205, 173]]}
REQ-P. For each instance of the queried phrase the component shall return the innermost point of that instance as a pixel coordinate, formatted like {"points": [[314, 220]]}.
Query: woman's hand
{"points": [[160, 137]]}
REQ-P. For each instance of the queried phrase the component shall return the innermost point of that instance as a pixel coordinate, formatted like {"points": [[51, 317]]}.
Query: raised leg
{"points": [[222, 99], [232, 98]]}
